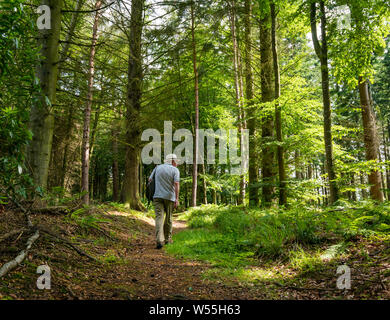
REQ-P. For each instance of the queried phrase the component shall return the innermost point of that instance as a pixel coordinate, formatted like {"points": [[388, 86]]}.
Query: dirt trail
{"points": [[158, 275], [131, 267]]}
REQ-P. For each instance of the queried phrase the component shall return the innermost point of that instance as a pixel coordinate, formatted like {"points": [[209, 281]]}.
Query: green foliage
{"points": [[352, 48], [18, 88], [58, 197], [86, 219], [235, 235], [304, 261]]}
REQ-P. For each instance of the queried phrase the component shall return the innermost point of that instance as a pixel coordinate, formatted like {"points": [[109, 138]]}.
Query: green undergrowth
{"points": [[149, 212], [236, 240]]}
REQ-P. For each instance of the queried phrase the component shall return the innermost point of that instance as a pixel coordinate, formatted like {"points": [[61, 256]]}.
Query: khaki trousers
{"points": [[163, 227]]}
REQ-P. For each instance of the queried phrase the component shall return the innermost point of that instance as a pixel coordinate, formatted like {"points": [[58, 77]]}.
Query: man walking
{"points": [[166, 197]]}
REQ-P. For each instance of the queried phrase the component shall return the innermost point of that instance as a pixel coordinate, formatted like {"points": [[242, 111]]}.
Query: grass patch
{"points": [[110, 257], [210, 246], [237, 240]]}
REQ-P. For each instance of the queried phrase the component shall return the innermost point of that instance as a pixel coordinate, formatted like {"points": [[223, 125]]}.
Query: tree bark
{"points": [[41, 115], [322, 53], [196, 88], [130, 189], [252, 123], [85, 149], [278, 113], [371, 142], [94, 128], [267, 95], [115, 166], [238, 90], [242, 125], [203, 167], [386, 153], [68, 134]]}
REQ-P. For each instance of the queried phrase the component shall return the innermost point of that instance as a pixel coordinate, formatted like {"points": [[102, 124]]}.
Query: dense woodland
{"points": [[309, 79]]}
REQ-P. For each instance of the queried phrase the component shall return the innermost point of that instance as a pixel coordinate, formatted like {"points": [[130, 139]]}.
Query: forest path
{"points": [[130, 267], [158, 275]]}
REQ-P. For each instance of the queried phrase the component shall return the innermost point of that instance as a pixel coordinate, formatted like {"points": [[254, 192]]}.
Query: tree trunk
{"points": [[68, 134], [70, 33], [371, 142], [130, 189], [203, 166], [41, 115], [85, 153], [115, 166], [278, 113], [267, 95], [238, 90], [251, 118], [387, 165], [242, 125], [298, 172], [322, 53], [196, 135]]}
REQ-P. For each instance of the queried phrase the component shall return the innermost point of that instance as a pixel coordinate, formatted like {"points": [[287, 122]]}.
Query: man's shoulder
{"points": [[166, 167], [170, 168]]}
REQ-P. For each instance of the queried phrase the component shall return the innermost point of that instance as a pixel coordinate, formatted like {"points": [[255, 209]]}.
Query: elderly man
{"points": [[166, 197]]}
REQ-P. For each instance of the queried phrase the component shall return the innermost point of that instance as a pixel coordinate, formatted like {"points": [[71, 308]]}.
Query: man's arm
{"points": [[151, 175], [177, 190]]}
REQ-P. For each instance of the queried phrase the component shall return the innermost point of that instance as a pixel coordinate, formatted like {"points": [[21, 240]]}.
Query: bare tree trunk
{"points": [[59, 158], [68, 134], [251, 118], [371, 142], [41, 115], [203, 166], [85, 153], [196, 135], [94, 128], [363, 190], [278, 113], [130, 189], [387, 165], [322, 53], [115, 166], [267, 95], [237, 87], [241, 127]]}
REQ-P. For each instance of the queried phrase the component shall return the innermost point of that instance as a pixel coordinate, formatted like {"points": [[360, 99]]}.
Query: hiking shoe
{"points": [[168, 241], [159, 246]]}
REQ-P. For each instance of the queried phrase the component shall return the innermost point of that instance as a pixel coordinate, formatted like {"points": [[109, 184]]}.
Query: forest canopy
{"points": [[307, 81]]}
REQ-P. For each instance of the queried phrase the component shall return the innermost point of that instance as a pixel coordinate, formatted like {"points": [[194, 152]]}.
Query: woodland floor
{"points": [[130, 267]]}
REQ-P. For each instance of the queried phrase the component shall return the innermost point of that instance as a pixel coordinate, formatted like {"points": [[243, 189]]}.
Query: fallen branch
{"points": [[67, 242], [11, 234], [20, 257], [51, 210]]}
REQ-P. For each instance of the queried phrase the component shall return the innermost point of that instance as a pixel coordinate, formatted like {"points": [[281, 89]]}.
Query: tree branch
{"points": [[89, 11], [20, 257]]}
